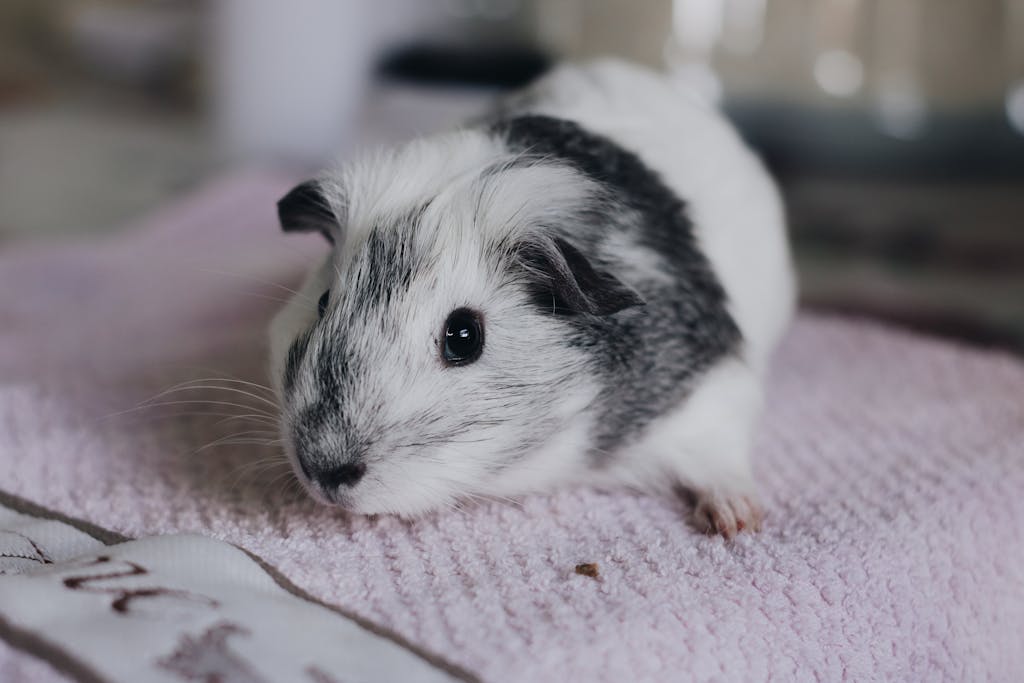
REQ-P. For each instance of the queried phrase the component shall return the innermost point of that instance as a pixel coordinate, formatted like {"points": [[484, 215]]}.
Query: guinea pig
{"points": [[584, 287]]}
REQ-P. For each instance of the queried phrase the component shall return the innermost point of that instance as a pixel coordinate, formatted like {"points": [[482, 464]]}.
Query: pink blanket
{"points": [[892, 468]]}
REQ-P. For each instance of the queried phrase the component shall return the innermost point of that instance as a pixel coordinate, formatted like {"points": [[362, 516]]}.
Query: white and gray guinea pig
{"points": [[584, 288]]}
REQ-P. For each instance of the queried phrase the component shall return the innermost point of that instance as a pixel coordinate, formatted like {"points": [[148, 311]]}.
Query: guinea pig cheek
{"points": [[404, 491]]}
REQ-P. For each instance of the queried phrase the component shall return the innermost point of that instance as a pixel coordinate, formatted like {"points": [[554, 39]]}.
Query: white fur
{"points": [[740, 226], [704, 443], [467, 211], [734, 205]]}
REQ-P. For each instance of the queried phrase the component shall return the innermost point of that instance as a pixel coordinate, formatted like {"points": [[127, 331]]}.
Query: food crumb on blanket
{"points": [[587, 569]]}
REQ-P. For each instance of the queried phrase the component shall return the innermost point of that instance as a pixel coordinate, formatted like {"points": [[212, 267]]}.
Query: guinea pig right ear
{"points": [[306, 209], [565, 282]]}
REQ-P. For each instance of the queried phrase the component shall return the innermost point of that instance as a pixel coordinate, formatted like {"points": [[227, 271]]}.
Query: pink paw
{"points": [[718, 512]]}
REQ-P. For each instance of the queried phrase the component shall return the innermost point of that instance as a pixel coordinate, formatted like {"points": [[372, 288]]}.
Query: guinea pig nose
{"points": [[348, 474]]}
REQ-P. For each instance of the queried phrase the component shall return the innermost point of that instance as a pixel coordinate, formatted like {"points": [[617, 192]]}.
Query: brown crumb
{"points": [[587, 569]]}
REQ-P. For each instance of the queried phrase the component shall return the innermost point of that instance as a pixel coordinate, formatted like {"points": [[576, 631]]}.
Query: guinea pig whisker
{"points": [[252, 385], [239, 475], [291, 483], [238, 439], [257, 295], [253, 278], [276, 458], [283, 476], [262, 465], [494, 497], [452, 505], [264, 437], [217, 375], [227, 380], [154, 415], [265, 434], [268, 433], [259, 419], [294, 486], [198, 387], [185, 386], [235, 442], [227, 404]]}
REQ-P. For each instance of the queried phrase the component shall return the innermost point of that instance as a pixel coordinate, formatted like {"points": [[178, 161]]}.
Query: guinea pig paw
{"points": [[726, 514]]}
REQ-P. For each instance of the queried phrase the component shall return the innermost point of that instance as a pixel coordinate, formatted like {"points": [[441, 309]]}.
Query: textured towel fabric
{"points": [[892, 468], [181, 606]]}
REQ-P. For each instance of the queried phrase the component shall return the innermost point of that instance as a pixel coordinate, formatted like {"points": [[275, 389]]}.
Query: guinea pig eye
{"points": [[463, 337], [321, 305]]}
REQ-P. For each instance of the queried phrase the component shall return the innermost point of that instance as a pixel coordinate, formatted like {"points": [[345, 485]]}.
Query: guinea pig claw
{"points": [[726, 514]]}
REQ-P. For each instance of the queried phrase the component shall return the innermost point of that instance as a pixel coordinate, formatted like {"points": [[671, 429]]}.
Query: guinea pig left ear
{"points": [[305, 209], [564, 281]]}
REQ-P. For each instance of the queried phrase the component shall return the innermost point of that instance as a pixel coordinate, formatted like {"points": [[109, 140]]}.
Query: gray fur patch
{"points": [[647, 357]]}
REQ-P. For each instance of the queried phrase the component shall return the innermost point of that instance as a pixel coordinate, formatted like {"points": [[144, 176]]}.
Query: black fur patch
{"points": [[566, 283], [296, 353], [649, 356], [305, 209], [381, 270], [383, 267]]}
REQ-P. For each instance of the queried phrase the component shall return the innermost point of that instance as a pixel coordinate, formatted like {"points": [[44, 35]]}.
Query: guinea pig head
{"points": [[431, 358]]}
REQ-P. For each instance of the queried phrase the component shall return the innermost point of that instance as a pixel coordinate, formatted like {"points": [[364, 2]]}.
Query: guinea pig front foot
{"points": [[726, 513]]}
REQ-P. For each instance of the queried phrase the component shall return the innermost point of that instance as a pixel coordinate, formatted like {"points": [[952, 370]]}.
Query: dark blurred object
{"points": [[501, 67], [151, 45], [945, 256], [971, 145]]}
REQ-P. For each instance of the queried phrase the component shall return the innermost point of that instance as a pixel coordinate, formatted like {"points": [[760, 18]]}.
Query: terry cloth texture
{"points": [[892, 469]]}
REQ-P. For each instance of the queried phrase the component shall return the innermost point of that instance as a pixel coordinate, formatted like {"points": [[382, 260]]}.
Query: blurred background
{"points": [[895, 127]]}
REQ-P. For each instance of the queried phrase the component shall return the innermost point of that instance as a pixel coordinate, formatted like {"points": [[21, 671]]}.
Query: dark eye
{"points": [[321, 305], [463, 337]]}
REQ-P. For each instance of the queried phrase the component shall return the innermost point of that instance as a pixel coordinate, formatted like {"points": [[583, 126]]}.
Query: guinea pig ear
{"points": [[564, 281], [305, 209]]}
